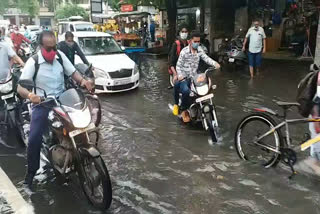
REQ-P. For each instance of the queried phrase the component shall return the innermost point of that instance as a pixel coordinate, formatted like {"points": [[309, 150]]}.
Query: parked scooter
{"points": [[68, 144], [203, 108]]}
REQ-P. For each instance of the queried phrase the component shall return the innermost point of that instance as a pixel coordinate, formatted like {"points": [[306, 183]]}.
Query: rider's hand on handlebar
{"points": [[35, 99], [217, 66], [87, 84]]}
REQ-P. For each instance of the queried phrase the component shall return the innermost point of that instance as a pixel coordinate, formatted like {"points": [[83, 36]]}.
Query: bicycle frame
{"points": [[285, 123]]}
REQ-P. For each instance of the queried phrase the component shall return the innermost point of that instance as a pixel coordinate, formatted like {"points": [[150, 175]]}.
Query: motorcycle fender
{"points": [[266, 110], [91, 151]]}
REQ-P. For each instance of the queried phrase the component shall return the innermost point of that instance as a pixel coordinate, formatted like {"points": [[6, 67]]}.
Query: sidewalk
{"points": [[285, 55]]}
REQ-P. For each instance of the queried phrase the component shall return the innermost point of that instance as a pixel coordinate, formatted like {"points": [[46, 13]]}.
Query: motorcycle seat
{"points": [[287, 104]]}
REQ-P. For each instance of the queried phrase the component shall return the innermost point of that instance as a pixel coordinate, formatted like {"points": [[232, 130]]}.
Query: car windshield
{"points": [[84, 27], [99, 45]]}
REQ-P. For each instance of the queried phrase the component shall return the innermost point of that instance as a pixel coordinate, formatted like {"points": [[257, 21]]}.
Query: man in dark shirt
{"points": [[69, 47], [176, 48]]}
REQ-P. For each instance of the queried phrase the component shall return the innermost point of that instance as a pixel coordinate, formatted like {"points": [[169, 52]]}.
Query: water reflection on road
{"points": [[159, 165]]}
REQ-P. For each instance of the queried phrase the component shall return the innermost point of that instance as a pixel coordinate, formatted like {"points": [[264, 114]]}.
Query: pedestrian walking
{"points": [[257, 46]]}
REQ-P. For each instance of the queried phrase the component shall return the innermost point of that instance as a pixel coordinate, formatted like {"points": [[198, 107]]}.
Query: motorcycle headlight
{"points": [[6, 88], [100, 73], [203, 90], [136, 69]]}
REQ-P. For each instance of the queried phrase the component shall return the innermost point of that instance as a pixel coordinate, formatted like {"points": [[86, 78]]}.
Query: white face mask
{"points": [[183, 36]]}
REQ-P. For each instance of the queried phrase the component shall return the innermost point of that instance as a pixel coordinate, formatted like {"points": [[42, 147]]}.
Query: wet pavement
{"points": [[158, 165]]}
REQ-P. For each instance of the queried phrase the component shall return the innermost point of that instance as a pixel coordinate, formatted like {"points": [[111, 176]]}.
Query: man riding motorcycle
{"points": [[17, 39], [48, 74], [187, 66]]}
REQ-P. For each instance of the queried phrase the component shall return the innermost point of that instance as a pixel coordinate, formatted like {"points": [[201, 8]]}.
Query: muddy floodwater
{"points": [[158, 165]]}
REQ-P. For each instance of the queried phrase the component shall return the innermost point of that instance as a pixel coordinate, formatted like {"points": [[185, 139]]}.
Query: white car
{"points": [[114, 71]]}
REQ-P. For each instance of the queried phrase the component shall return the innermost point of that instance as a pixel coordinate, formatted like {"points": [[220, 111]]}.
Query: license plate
{"points": [[201, 99], [80, 131], [4, 97], [122, 82], [231, 59]]}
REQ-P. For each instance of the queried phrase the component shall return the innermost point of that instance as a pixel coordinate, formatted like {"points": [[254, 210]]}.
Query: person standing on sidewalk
{"points": [[257, 46]]}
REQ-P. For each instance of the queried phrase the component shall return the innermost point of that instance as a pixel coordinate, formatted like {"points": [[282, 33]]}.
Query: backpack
{"points": [[178, 53], [307, 88], [35, 57]]}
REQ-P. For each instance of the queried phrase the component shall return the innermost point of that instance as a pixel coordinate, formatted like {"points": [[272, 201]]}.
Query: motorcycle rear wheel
{"points": [[94, 183]]}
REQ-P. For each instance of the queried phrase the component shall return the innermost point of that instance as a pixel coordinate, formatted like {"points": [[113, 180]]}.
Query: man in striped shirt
{"points": [[187, 66]]}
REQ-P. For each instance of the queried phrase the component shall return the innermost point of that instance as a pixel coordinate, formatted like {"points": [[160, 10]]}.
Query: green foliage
{"points": [[29, 6], [4, 5], [68, 10]]}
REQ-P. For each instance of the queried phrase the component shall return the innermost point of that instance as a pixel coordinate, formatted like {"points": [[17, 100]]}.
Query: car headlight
{"points": [[136, 69], [100, 73]]}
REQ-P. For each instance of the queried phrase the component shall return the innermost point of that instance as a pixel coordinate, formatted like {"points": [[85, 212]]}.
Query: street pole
{"points": [[317, 55]]}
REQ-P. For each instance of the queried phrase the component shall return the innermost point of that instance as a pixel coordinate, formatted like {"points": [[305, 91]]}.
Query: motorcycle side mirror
{"points": [[314, 67], [214, 87], [28, 84]]}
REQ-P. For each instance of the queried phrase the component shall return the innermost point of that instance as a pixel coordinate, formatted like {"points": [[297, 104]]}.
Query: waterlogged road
{"points": [[159, 165]]}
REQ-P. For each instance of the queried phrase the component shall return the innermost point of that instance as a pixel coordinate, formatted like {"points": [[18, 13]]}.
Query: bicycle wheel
{"points": [[251, 128]]}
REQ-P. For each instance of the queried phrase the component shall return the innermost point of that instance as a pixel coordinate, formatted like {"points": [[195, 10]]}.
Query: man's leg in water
{"points": [[176, 92], [185, 90]]}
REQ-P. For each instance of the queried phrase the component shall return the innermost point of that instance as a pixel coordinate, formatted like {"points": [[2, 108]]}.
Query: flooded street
{"points": [[159, 165]]}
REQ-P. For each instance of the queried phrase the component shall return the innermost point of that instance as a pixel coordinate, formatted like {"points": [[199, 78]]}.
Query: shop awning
{"points": [[134, 14]]}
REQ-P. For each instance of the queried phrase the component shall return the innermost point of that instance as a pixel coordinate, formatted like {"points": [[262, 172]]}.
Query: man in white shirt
{"points": [[257, 46]]}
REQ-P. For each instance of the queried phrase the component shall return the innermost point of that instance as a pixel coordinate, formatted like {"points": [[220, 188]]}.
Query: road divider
{"points": [[12, 196]]}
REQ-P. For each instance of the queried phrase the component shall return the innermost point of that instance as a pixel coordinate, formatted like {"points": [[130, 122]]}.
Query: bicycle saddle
{"points": [[287, 104]]}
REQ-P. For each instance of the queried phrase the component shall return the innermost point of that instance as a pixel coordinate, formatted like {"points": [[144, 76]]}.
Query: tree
{"points": [[68, 10], [172, 20], [4, 6], [29, 6]]}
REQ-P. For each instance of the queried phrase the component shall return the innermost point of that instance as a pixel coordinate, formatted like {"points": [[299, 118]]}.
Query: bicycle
{"points": [[268, 143]]}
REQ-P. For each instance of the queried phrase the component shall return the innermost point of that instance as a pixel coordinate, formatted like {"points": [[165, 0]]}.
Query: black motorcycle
{"points": [[68, 144], [202, 108]]}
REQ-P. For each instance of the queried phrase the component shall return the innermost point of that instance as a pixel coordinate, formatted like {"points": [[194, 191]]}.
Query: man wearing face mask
{"points": [[257, 46], [47, 74], [177, 46], [17, 39], [187, 66], [6, 54], [70, 48]]}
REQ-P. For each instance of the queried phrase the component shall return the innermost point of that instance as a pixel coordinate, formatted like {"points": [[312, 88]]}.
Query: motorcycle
{"points": [[237, 56], [24, 52], [203, 108], [69, 145], [12, 105]]}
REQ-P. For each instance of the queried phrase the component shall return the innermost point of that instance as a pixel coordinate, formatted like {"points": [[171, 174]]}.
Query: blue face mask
{"points": [[195, 45]]}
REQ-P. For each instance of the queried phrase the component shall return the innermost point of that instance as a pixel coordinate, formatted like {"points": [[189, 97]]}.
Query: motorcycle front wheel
{"points": [[95, 181], [211, 128]]}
